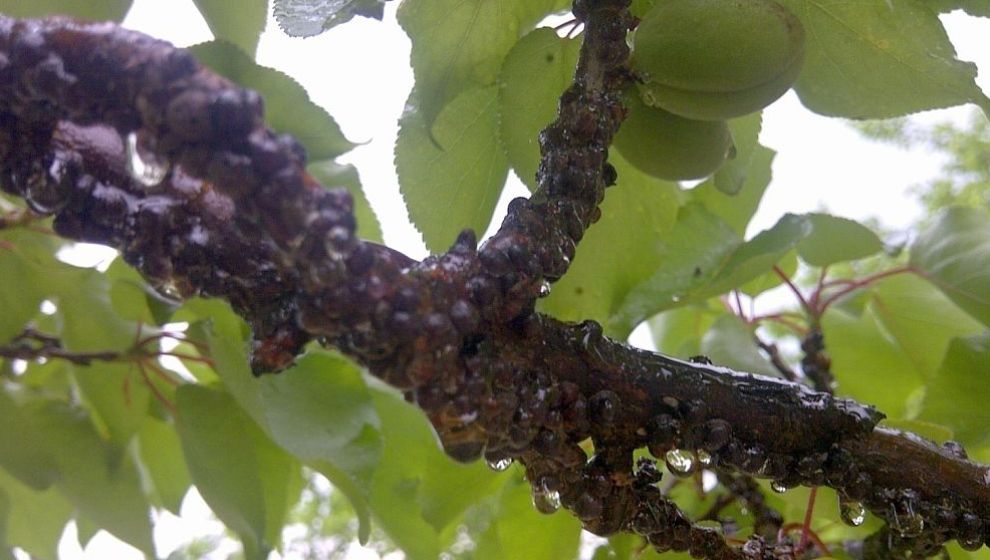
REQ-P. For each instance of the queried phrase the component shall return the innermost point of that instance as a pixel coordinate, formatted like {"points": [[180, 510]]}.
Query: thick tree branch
{"points": [[237, 217]]}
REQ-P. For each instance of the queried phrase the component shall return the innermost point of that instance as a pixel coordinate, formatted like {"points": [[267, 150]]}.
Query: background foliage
{"points": [[907, 327]]}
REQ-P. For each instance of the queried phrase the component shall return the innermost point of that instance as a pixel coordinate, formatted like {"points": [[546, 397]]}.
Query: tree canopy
{"points": [[256, 339]]}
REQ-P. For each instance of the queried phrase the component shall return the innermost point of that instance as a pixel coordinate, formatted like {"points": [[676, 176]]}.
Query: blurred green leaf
{"points": [[958, 393], [929, 430], [703, 257], [878, 59], [867, 364], [920, 318], [536, 71], [730, 342], [22, 453], [117, 397], [36, 518], [22, 294], [161, 456], [731, 177], [738, 209], [833, 239], [770, 279], [953, 254], [458, 46], [677, 332], [306, 18], [519, 531], [288, 107], [454, 183], [241, 26], [93, 10], [242, 475]]}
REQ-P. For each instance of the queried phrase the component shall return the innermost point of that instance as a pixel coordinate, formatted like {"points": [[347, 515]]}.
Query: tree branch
{"points": [[237, 217]]}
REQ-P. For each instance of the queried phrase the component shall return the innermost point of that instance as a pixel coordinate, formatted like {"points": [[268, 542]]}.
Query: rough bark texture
{"points": [[237, 217]]}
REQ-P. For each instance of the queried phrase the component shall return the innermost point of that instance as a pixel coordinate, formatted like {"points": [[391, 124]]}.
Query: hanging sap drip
{"points": [[853, 513], [905, 520], [500, 465], [142, 165], [778, 487], [545, 500], [680, 462], [544, 289], [704, 458]]}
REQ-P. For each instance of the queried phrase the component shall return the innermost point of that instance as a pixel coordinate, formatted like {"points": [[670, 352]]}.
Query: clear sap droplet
{"points": [[546, 501], [853, 513], [500, 465], [544, 289], [906, 521], [704, 458], [680, 462], [144, 169], [778, 487], [169, 290]]}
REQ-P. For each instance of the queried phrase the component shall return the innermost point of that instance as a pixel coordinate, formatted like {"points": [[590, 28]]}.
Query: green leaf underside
{"points": [[288, 107], [536, 71], [94, 11], [879, 59], [979, 8], [36, 519], [417, 490], [160, 451], [703, 257], [241, 26], [452, 181], [677, 332], [736, 210], [244, 477], [519, 531], [833, 239], [306, 18], [731, 177], [953, 254], [457, 46], [958, 393]]}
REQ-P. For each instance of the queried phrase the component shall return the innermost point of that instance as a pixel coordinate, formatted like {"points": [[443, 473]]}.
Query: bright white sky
{"points": [[360, 73]]}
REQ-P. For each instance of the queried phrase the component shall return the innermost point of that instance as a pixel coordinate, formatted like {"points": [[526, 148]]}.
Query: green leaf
{"points": [[536, 71], [418, 492], [703, 257], [677, 332], [89, 322], [879, 59], [332, 174], [953, 254], [731, 177], [241, 26], [920, 319], [519, 531], [320, 410], [454, 183], [96, 478], [93, 10], [288, 107], [867, 364], [306, 18], [161, 456], [619, 251], [458, 46], [241, 474], [958, 393], [117, 397], [834, 239], [770, 279], [22, 294], [133, 299], [36, 519], [24, 455], [738, 209], [730, 342], [978, 8]]}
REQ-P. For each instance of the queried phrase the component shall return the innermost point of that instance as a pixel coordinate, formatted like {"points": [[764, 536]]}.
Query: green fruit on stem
{"points": [[717, 59], [670, 147]]}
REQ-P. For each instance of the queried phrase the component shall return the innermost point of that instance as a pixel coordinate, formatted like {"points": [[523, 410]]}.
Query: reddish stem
{"points": [[797, 293], [806, 527], [861, 283]]}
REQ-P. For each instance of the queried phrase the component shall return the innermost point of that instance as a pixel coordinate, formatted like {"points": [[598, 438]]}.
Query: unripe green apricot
{"points": [[670, 147], [717, 59]]}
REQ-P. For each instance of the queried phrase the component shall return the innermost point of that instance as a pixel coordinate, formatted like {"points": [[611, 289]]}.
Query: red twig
{"points": [[797, 293], [806, 527], [862, 283]]}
